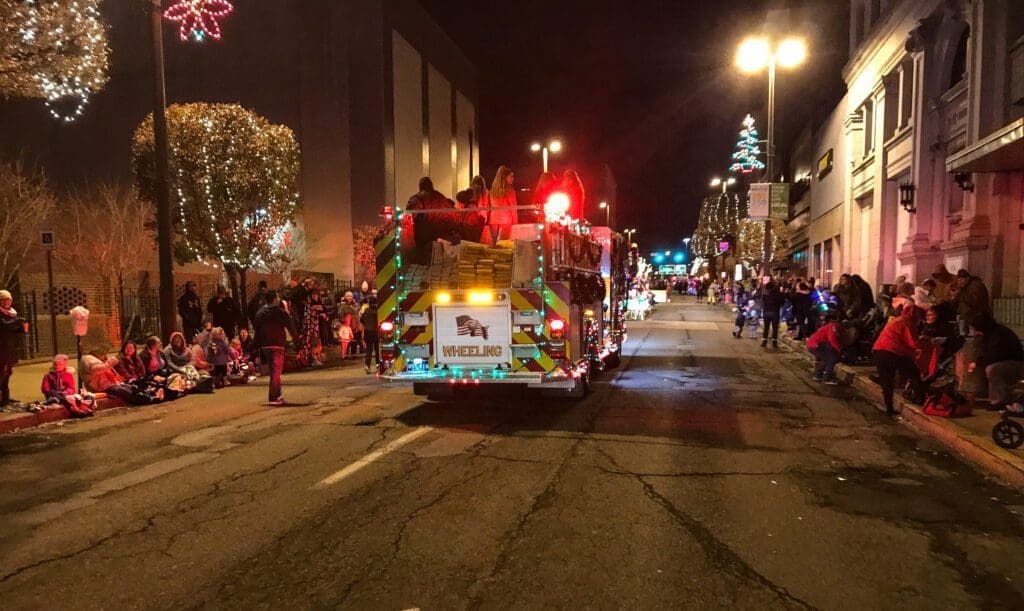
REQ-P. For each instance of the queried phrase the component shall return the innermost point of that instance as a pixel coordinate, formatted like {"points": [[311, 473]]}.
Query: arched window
{"points": [[958, 69]]}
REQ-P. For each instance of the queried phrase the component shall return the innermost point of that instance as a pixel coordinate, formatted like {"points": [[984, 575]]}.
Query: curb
{"points": [[13, 422], [978, 450], [10, 423]]}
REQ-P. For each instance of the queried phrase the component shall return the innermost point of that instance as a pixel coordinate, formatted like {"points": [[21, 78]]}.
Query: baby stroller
{"points": [[1008, 433]]}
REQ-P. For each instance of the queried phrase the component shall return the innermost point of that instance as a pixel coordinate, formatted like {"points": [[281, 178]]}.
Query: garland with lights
{"points": [[55, 50], [747, 157], [198, 18], [720, 216], [234, 177]]}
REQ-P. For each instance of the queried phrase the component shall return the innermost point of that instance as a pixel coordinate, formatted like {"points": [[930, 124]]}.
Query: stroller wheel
{"points": [[1008, 434]]}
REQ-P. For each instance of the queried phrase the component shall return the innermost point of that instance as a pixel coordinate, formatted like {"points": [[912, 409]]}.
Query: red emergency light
{"points": [[556, 207], [388, 212]]}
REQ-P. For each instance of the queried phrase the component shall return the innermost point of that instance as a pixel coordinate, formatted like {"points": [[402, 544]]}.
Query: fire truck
{"points": [[544, 310]]}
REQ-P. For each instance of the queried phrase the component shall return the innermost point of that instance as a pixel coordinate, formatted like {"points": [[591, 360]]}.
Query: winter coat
{"points": [[922, 298], [11, 330], [772, 300], [998, 343], [130, 368], [148, 359], [973, 302], [218, 352], [369, 321], [177, 360], [253, 308], [224, 313], [829, 335], [58, 384], [190, 309], [271, 324], [99, 375], [899, 336]]}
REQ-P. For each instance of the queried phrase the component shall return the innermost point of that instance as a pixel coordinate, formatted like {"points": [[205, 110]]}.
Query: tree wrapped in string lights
{"points": [[747, 157], [720, 216], [54, 50], [750, 246], [234, 181]]}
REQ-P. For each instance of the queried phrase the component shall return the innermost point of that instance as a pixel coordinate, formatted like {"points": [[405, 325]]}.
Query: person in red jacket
{"points": [[825, 344], [894, 351], [59, 387]]}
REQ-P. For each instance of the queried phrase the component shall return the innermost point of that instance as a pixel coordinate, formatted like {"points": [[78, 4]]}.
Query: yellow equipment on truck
{"points": [[544, 310]]}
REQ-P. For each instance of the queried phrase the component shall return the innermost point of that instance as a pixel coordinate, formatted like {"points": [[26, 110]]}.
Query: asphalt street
{"points": [[705, 472]]}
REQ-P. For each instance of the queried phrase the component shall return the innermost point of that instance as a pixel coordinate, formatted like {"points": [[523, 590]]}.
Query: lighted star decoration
{"points": [[198, 18]]}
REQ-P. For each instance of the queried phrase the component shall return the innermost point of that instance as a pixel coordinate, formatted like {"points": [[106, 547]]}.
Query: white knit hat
{"points": [[5, 294]]}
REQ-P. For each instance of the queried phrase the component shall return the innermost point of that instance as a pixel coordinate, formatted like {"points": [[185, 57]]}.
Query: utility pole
{"points": [[168, 320]]}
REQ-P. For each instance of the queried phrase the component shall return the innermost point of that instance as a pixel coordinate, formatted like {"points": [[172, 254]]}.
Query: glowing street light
{"points": [[607, 213], [553, 146], [725, 184], [754, 55]]}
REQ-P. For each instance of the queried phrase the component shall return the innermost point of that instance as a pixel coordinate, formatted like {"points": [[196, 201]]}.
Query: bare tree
{"points": [[290, 251], [25, 204], [104, 234]]}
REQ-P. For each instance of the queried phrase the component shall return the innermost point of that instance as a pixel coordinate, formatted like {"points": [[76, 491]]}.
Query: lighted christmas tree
{"points": [[747, 157], [720, 216], [54, 50]]}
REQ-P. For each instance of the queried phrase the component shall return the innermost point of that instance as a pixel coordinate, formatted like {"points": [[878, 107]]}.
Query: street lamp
{"points": [[716, 181], [545, 149], [753, 56], [607, 213]]}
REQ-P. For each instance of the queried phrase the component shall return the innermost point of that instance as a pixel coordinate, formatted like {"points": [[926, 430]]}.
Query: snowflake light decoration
{"points": [[198, 18]]}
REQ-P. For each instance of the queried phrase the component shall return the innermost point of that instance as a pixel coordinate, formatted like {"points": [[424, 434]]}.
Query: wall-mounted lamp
{"points": [[907, 190], [963, 180]]}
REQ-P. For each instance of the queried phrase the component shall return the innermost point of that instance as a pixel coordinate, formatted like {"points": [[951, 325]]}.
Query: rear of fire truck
{"points": [[543, 310]]}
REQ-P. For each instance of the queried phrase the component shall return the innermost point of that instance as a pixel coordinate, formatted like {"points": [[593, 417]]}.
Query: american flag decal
{"points": [[470, 326]]}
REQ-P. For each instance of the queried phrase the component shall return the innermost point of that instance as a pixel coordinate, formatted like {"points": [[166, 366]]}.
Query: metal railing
{"points": [[1009, 311]]}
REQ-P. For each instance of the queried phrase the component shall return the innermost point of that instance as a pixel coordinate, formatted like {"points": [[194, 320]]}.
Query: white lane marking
{"points": [[373, 456]]}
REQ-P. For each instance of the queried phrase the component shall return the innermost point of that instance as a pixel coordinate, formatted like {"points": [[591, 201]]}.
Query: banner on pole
{"points": [[759, 196], [778, 201]]}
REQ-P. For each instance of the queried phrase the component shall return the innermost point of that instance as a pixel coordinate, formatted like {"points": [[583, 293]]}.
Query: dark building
{"points": [[376, 93]]}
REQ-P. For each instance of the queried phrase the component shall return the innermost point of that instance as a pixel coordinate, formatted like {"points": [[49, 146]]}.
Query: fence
{"points": [[1010, 312]]}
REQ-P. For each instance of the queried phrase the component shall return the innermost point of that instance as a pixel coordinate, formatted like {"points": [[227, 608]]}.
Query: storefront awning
{"points": [[1002, 151]]}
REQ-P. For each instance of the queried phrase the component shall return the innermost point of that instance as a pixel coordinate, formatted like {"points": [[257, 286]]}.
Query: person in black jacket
{"points": [[800, 299], [258, 301], [12, 327], [271, 323], [771, 308], [371, 340], [1002, 356], [224, 311], [191, 311]]}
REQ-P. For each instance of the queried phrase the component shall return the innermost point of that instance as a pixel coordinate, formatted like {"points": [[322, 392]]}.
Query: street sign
{"points": [[778, 201], [46, 239], [758, 210]]}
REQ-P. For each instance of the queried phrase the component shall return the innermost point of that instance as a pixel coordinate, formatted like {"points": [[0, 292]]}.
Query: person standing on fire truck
{"points": [[503, 204]]}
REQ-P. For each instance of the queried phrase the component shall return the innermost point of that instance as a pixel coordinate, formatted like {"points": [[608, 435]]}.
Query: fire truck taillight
{"points": [[387, 329], [388, 212], [557, 328]]}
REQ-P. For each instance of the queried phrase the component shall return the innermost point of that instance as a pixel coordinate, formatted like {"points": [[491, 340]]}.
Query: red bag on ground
{"points": [[946, 405]]}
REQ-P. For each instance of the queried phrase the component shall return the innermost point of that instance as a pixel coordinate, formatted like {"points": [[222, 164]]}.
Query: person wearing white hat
{"points": [[12, 328]]}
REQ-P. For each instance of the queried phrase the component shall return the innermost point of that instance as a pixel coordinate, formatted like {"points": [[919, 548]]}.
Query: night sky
{"points": [[647, 87]]}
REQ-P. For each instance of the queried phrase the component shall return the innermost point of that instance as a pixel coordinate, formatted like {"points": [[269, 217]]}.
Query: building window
{"points": [[959, 68], [826, 264], [906, 93], [868, 114]]}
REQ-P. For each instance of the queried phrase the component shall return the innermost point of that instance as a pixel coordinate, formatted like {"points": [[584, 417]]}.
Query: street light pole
{"points": [[769, 165], [168, 321]]}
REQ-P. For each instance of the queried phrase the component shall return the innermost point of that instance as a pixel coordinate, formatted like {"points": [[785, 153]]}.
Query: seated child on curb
{"points": [[825, 345], [59, 388], [240, 369]]}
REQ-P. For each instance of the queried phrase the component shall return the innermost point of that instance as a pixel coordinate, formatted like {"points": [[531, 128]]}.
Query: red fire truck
{"points": [[543, 310]]}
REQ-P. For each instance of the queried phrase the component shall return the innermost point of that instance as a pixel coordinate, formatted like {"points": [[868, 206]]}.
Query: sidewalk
{"points": [[969, 437], [27, 378]]}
